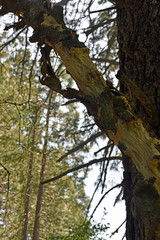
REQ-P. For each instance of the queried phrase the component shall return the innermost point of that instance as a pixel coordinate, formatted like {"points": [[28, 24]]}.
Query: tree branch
{"points": [[8, 174], [117, 229], [13, 39], [116, 186], [101, 24], [79, 146], [111, 61], [104, 148], [103, 10], [80, 167]]}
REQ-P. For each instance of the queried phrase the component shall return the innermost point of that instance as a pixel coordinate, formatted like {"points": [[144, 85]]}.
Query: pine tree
{"points": [[24, 144]]}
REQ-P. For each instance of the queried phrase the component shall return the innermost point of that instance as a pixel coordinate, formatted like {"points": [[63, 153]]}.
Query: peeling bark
{"points": [[142, 149]]}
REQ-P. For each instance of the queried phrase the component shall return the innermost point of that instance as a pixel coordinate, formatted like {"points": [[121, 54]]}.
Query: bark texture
{"points": [[138, 36]]}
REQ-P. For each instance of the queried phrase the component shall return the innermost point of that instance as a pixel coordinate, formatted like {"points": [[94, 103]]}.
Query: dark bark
{"points": [[138, 36], [142, 205]]}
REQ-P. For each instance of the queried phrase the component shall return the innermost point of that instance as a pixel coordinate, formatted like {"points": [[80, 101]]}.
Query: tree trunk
{"points": [[142, 205], [138, 37], [43, 166], [29, 180], [28, 190]]}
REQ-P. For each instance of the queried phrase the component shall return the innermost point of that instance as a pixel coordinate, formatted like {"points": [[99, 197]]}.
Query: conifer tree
{"points": [[22, 139]]}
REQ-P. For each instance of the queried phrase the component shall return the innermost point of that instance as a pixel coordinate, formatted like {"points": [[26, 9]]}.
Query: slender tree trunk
{"points": [[28, 190], [43, 165], [138, 36], [29, 181]]}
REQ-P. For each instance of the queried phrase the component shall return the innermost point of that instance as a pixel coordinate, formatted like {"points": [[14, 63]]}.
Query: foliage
{"points": [[22, 136], [85, 232]]}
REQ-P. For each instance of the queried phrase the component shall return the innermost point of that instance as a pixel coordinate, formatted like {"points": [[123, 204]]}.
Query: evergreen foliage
{"points": [[22, 137]]}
